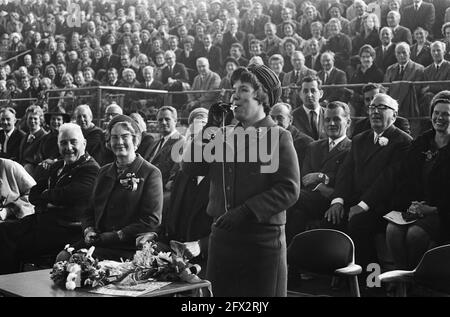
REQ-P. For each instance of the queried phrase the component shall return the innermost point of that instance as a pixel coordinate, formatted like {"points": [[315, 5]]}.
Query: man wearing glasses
{"points": [[373, 152], [369, 92]]}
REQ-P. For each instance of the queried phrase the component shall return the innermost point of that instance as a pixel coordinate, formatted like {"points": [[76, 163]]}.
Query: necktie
{"points": [[400, 72], [315, 133], [332, 144], [437, 68], [295, 77], [325, 77], [5, 144], [376, 137], [416, 7]]}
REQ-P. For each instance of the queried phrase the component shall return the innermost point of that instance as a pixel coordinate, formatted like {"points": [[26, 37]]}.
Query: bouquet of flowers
{"points": [[82, 270]]}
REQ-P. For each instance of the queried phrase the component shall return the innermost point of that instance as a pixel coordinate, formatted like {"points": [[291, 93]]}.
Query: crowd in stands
{"points": [[54, 156]]}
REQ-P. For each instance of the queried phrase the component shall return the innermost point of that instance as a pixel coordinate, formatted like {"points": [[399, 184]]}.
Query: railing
{"points": [[100, 103]]}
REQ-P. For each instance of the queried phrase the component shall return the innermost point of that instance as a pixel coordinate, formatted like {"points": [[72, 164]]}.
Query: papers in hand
{"points": [[396, 217]]}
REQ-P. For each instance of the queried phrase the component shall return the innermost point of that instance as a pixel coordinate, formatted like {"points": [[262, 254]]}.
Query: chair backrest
{"points": [[433, 271], [321, 251]]}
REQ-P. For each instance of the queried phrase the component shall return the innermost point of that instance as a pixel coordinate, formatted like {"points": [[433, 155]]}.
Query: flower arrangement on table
{"points": [[82, 270]]}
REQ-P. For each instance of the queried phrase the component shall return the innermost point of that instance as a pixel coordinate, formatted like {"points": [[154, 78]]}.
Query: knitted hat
{"points": [[269, 80], [124, 118], [197, 112]]}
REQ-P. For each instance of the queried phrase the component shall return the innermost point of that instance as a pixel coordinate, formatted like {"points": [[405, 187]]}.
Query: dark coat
{"points": [[113, 207], [214, 56], [336, 77], [424, 56], [301, 141], [366, 162], [108, 62], [383, 61], [13, 146], [267, 195], [364, 125], [179, 72], [424, 17], [29, 152], [152, 100], [431, 74], [317, 65], [318, 158], [68, 192], [49, 146]]}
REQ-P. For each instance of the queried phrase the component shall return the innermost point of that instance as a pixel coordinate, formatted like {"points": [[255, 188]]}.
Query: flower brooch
{"points": [[130, 182], [383, 141], [429, 155]]}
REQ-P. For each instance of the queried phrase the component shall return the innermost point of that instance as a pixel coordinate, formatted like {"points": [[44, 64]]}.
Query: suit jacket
{"points": [[163, 159], [366, 162], [152, 100], [289, 78], [302, 122], [364, 125], [112, 61], [336, 77], [405, 93], [301, 141], [402, 34], [29, 151], [431, 73], [214, 57], [179, 73], [114, 207], [13, 146], [228, 39], [210, 82], [318, 158], [383, 61], [317, 65], [68, 191], [341, 45], [423, 17], [424, 56], [266, 194]]}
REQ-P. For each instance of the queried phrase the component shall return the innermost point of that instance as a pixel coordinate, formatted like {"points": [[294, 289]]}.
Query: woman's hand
{"points": [[422, 208]]}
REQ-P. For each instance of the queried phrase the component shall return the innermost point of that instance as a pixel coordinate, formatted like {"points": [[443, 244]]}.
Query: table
{"points": [[39, 284]]}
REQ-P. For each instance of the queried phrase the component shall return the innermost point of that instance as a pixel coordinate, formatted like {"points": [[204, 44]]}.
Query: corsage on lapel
{"points": [[130, 182], [383, 141], [429, 155]]}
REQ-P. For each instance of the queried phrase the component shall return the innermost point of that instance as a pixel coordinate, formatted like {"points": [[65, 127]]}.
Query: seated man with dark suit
{"points": [[59, 201], [372, 152], [10, 137], [160, 153], [369, 92], [322, 161], [281, 114], [152, 100], [173, 76]]}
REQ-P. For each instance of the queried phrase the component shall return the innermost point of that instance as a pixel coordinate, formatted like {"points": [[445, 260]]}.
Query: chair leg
{"points": [[354, 286]]}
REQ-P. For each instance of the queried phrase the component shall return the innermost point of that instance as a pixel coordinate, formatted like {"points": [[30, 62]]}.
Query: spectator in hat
{"points": [[249, 215]]}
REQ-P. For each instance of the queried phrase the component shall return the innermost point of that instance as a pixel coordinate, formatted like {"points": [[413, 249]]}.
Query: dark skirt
{"points": [[251, 263]]}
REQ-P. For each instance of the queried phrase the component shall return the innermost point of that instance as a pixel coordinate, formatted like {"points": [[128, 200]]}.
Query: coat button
{"points": [[228, 188]]}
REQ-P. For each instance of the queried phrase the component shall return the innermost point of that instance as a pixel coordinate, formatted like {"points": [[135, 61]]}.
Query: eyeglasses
{"points": [[379, 107]]}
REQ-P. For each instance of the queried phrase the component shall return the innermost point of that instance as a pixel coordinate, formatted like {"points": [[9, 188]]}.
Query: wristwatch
{"points": [[324, 178]]}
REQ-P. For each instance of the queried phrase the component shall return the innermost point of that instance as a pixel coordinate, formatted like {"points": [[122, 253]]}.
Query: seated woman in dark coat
{"points": [[423, 187], [127, 197], [421, 52]]}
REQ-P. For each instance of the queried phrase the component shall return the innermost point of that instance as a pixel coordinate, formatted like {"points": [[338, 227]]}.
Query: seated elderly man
{"points": [[93, 134], [281, 114], [59, 201], [438, 70], [205, 80], [111, 111], [355, 198], [319, 169], [15, 185]]}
